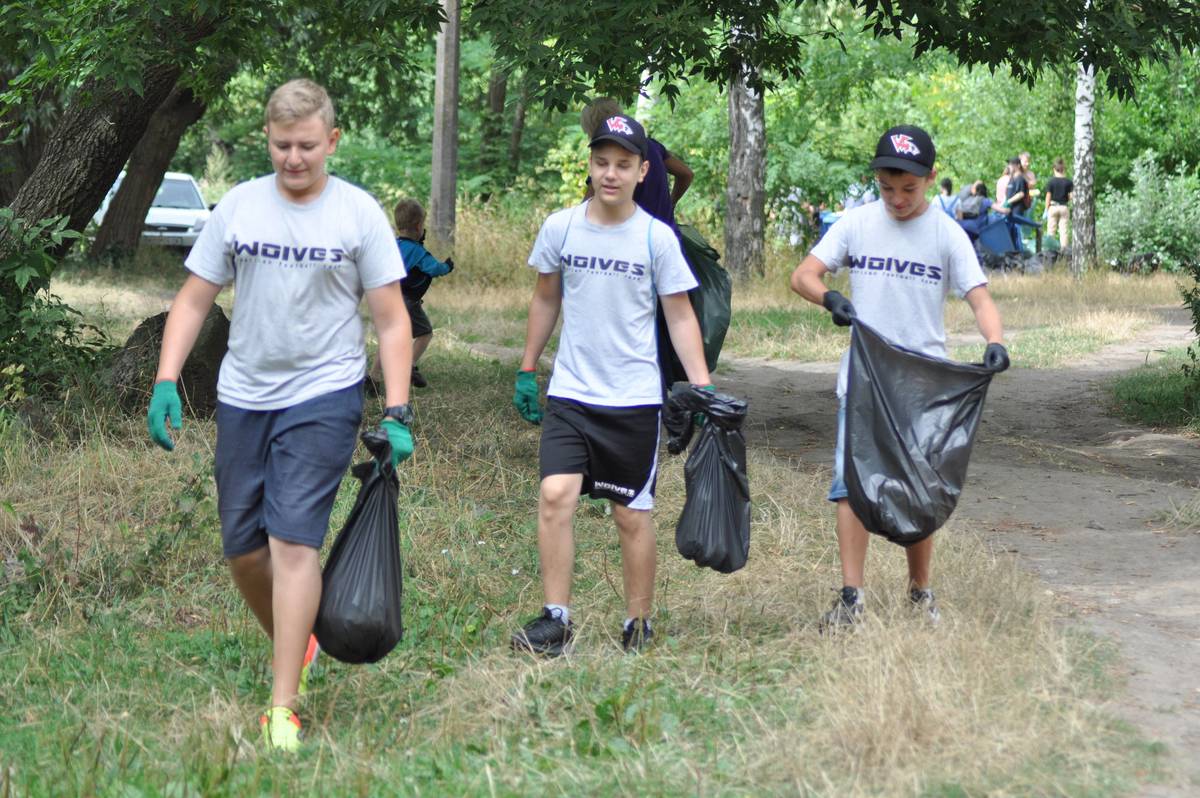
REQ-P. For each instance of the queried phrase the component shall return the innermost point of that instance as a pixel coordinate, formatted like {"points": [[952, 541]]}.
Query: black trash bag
{"points": [[714, 527], [712, 301], [910, 424], [359, 616]]}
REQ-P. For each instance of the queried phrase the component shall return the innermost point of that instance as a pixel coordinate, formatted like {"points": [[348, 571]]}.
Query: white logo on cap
{"points": [[903, 144], [617, 124]]}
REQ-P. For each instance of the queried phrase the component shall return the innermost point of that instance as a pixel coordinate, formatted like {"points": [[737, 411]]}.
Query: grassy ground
{"points": [[1160, 394], [129, 666]]}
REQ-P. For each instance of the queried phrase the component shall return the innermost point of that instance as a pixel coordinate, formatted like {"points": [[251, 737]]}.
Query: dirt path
{"points": [[1079, 496]]}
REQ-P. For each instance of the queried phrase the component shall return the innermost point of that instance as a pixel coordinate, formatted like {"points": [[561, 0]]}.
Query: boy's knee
{"points": [[288, 557], [559, 494], [251, 562]]}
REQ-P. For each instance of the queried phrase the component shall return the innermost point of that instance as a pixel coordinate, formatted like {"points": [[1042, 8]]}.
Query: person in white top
{"points": [[904, 258], [302, 248], [603, 264]]}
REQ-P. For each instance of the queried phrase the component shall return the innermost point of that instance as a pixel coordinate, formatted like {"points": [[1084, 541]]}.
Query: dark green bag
{"points": [[712, 301]]}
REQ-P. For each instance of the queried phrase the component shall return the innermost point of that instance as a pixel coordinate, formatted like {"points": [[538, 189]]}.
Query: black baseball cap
{"points": [[905, 147], [624, 130]]}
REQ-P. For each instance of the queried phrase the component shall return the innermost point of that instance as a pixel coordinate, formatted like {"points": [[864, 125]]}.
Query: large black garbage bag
{"points": [[712, 301], [359, 616], [910, 424], [714, 527]]}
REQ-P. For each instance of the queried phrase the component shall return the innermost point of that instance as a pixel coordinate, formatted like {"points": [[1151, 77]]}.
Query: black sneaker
{"points": [[923, 601], [847, 610], [418, 379], [636, 636], [545, 635]]}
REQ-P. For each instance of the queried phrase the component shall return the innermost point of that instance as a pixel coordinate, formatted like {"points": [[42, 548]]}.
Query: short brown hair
{"points": [[299, 99], [409, 215], [596, 112]]}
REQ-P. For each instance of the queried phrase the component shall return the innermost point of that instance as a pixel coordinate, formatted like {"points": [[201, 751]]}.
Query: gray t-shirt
{"points": [[612, 277], [299, 273], [900, 273]]}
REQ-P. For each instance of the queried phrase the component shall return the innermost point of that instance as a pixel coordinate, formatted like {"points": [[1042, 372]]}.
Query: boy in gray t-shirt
{"points": [[603, 265], [904, 258], [303, 248]]}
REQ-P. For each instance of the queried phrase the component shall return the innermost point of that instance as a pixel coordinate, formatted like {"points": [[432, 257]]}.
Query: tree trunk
{"points": [[518, 130], [121, 230], [444, 186], [1083, 197], [492, 148], [745, 193], [19, 158]]}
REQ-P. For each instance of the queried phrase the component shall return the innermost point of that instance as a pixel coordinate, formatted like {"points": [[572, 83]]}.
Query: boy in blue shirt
{"points": [[422, 268]]}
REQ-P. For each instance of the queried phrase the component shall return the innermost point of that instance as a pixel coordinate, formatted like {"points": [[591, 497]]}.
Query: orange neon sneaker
{"points": [[310, 663], [280, 730]]}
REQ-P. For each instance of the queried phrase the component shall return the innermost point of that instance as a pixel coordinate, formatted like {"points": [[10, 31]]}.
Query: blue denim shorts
{"points": [[837, 490], [278, 471]]}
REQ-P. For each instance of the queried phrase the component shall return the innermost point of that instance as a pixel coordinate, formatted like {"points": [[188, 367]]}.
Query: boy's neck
{"points": [[609, 215]]}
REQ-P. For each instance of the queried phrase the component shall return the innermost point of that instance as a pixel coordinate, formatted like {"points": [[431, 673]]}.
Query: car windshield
{"points": [[175, 193]]}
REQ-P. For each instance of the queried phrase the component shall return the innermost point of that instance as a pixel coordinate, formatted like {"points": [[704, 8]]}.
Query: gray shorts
{"points": [[278, 471]]}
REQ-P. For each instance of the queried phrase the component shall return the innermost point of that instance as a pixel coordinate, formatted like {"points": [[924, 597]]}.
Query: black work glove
{"points": [[839, 307], [450, 263], [995, 357]]}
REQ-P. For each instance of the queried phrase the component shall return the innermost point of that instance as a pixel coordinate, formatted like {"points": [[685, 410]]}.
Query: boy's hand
{"points": [[525, 398], [839, 307], [400, 437], [995, 357], [164, 404], [698, 418], [449, 265]]}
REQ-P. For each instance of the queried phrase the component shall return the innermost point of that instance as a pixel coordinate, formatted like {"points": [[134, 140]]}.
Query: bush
{"points": [[1154, 225], [43, 342]]}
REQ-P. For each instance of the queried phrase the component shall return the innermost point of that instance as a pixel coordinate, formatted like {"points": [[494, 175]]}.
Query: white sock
{"points": [[629, 623], [560, 611]]}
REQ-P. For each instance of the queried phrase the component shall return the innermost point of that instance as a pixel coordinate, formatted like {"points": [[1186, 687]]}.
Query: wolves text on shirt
{"points": [[292, 256], [625, 268], [905, 268]]}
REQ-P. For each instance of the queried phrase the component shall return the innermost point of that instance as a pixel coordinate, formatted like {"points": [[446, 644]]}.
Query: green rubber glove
{"points": [[400, 438], [525, 398], [698, 418], [164, 404]]}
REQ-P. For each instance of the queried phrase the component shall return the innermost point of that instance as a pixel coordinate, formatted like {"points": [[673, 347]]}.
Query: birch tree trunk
{"points": [[745, 192], [444, 186], [1083, 197]]}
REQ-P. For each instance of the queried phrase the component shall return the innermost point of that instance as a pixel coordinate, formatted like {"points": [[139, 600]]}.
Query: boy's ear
{"points": [[643, 170]]}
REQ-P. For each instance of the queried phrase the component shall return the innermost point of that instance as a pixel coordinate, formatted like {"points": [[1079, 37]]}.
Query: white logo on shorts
{"points": [[629, 492]]}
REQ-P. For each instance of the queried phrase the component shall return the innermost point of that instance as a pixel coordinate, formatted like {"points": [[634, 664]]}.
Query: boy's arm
{"points": [[987, 315], [394, 329], [543, 315], [683, 177], [184, 320], [806, 279], [685, 336]]}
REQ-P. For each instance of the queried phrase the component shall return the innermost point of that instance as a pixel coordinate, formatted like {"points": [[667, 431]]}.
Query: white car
{"points": [[177, 213]]}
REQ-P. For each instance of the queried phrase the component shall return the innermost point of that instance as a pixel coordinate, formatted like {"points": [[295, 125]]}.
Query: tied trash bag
{"points": [[711, 300], [359, 616], [714, 527], [910, 424]]}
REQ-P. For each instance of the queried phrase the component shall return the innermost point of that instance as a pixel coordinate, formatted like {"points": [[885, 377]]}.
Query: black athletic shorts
{"points": [[421, 325], [615, 448]]}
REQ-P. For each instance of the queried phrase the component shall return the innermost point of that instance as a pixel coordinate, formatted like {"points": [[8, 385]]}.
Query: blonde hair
{"points": [[299, 99], [596, 112]]}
